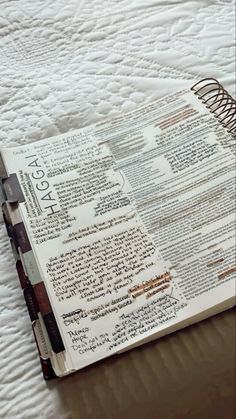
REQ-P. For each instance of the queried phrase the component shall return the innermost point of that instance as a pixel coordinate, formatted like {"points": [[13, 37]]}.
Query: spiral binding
{"points": [[218, 101]]}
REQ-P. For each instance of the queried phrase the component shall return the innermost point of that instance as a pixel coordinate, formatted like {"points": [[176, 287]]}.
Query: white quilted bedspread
{"points": [[65, 64]]}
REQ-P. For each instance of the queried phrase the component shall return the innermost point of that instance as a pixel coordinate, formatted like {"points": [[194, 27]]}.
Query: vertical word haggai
{"points": [[45, 193]]}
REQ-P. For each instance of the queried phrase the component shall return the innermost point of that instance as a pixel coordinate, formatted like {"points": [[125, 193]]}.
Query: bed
{"points": [[64, 65]]}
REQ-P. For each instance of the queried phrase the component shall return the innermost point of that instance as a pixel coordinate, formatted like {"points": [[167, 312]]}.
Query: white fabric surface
{"points": [[65, 64]]}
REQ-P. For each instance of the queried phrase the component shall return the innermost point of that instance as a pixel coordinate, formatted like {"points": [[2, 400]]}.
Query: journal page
{"points": [[131, 222]]}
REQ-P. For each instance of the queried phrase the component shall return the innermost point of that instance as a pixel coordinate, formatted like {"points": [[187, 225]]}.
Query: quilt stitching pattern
{"points": [[64, 65]]}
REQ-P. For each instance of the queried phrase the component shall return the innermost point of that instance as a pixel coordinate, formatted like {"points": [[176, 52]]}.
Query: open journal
{"points": [[124, 231]]}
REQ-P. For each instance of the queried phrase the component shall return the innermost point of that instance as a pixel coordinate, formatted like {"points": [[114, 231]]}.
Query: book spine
{"points": [[218, 101], [33, 287]]}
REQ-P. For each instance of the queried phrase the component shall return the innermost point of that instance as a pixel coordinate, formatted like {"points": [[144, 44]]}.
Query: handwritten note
{"points": [[130, 325], [103, 267]]}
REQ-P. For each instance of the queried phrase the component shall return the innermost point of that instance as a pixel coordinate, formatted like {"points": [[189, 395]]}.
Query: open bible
{"points": [[124, 231]]}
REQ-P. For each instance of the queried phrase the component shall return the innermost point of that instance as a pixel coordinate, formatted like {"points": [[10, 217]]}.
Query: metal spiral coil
{"points": [[218, 101]]}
